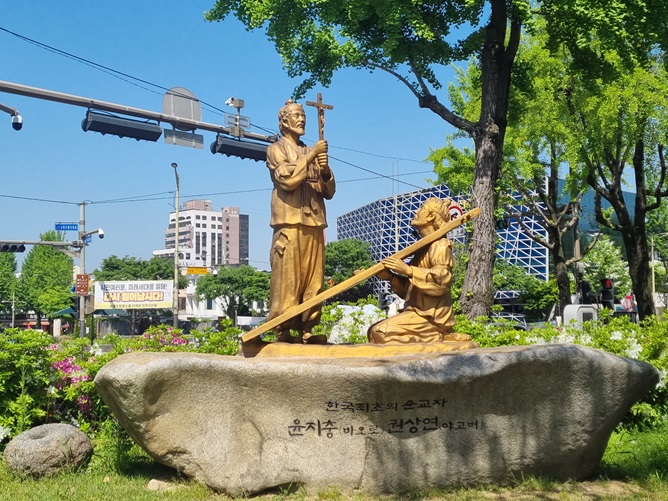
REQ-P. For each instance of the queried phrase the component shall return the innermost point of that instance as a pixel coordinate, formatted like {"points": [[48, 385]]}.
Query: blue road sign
{"points": [[67, 226]]}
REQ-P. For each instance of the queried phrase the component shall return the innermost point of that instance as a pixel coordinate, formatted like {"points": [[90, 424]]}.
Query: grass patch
{"points": [[634, 467]]}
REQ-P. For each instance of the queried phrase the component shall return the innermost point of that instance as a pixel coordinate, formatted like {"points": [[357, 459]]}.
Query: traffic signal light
{"points": [[238, 148], [122, 127], [608, 293], [12, 247], [74, 304], [502, 224]]}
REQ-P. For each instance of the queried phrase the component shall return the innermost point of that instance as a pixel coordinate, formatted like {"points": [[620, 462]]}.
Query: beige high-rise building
{"points": [[207, 237]]}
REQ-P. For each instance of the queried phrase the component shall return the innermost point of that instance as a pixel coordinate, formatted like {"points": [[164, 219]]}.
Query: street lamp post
{"points": [[175, 292]]}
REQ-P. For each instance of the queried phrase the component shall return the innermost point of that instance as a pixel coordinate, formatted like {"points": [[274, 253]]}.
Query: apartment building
{"points": [[207, 237]]}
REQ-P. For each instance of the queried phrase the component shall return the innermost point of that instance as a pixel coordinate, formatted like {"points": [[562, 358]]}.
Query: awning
{"points": [[66, 311]]}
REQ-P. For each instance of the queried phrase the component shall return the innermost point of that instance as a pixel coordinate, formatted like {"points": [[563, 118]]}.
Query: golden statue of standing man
{"points": [[302, 182]]}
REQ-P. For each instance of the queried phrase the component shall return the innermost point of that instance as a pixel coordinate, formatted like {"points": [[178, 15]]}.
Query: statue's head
{"points": [[291, 117], [433, 214], [440, 209]]}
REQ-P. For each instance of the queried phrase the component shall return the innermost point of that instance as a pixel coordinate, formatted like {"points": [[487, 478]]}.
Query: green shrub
{"points": [[617, 335], [25, 376], [42, 381]]}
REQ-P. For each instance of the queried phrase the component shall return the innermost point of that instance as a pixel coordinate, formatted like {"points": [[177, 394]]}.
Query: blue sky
{"points": [[376, 124]]}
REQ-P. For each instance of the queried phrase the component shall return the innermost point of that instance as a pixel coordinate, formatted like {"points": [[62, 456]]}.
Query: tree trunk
{"points": [[560, 271], [478, 289], [633, 230], [496, 61], [640, 273]]}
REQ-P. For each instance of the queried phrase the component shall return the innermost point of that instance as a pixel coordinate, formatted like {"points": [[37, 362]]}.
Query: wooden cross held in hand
{"points": [[321, 107]]}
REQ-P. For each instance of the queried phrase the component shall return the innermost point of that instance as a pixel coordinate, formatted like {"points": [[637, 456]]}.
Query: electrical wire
{"points": [[125, 77]]}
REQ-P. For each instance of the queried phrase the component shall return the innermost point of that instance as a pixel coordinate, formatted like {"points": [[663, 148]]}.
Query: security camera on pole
{"points": [[83, 279], [17, 119]]}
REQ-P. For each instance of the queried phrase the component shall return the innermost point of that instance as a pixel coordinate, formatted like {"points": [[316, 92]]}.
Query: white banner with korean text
{"points": [[135, 294]]}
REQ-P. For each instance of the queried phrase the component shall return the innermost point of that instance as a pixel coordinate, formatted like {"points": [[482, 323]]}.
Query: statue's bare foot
{"points": [[309, 338], [455, 336]]}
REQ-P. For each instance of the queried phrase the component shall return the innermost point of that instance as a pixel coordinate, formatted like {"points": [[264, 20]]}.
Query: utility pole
{"points": [[82, 288], [175, 292], [82, 263]]}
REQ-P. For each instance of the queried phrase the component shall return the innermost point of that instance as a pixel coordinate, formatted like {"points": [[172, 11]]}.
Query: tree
{"points": [[657, 226], [46, 277], [622, 129], [536, 296], [7, 280], [133, 268], [342, 258], [410, 40], [605, 261], [557, 122], [238, 286]]}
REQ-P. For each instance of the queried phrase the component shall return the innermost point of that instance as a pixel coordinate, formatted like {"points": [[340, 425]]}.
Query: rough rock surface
{"points": [[377, 425], [47, 449]]}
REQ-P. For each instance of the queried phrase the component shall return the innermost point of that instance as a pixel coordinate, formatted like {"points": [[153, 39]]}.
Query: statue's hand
{"points": [[384, 274], [320, 147], [397, 266], [323, 163]]}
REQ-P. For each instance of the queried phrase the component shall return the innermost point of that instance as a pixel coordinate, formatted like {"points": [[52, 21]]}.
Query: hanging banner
{"points": [[133, 295]]}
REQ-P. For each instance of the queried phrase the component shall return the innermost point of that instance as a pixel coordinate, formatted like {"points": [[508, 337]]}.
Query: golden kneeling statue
{"points": [[424, 284]]}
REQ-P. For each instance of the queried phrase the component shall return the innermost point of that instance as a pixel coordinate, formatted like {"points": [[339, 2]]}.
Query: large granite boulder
{"points": [[48, 449], [375, 424]]}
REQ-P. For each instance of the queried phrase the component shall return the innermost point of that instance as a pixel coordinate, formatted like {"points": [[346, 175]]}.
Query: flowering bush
{"points": [[42, 381]]}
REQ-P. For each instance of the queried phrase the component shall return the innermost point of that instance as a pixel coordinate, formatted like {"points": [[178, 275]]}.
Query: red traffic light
{"points": [[606, 283]]}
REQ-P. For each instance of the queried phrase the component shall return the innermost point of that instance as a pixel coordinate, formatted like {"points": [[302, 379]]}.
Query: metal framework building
{"points": [[385, 224]]}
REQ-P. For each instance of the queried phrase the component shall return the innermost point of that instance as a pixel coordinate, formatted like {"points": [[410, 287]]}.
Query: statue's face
{"points": [[295, 120], [421, 220]]}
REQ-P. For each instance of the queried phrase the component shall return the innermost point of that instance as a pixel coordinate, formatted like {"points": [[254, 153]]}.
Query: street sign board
{"points": [[238, 120], [67, 226], [196, 270], [455, 211], [188, 139], [82, 284]]}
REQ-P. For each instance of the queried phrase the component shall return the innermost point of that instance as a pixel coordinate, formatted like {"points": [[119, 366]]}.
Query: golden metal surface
{"points": [[283, 350]]}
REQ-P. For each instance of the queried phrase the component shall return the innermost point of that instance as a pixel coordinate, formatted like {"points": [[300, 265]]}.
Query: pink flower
{"points": [[84, 403]]}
